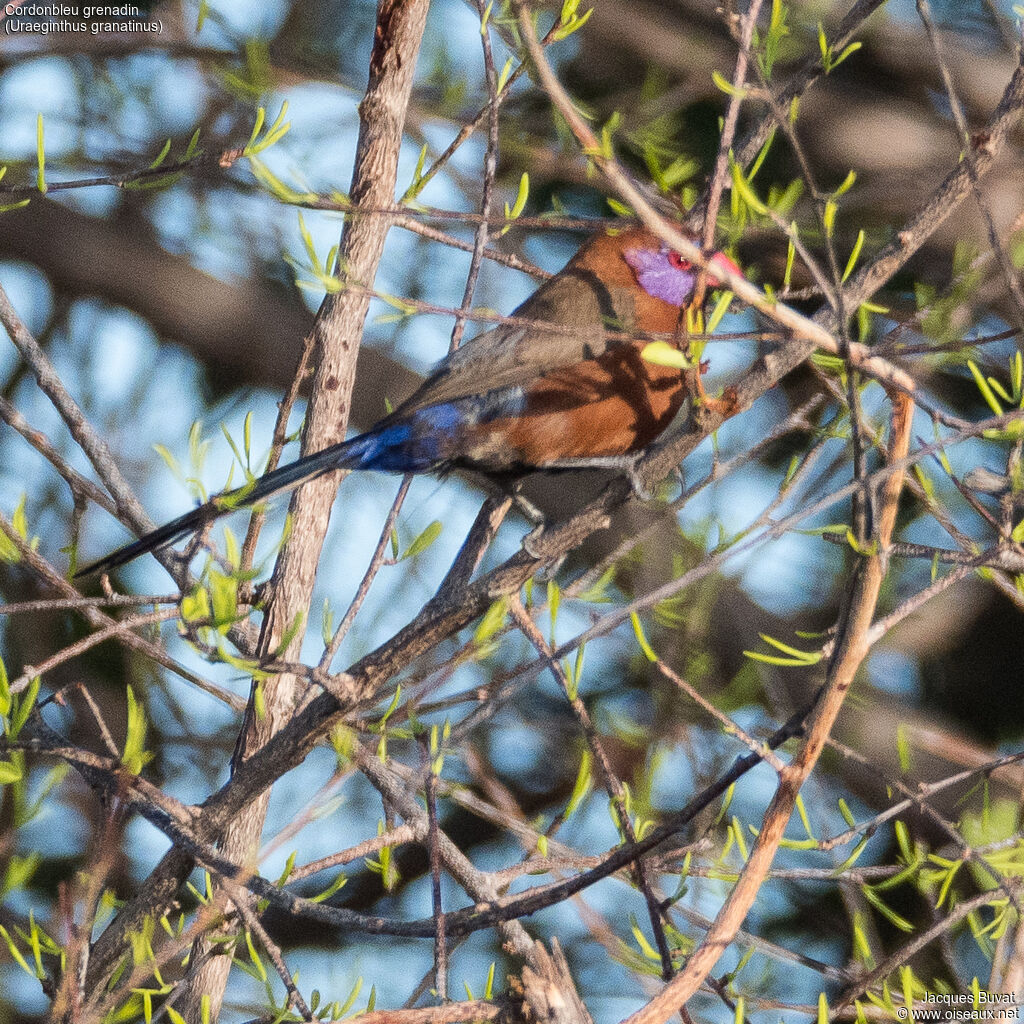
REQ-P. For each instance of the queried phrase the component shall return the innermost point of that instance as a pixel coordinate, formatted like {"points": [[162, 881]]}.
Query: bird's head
{"points": [[666, 275]]}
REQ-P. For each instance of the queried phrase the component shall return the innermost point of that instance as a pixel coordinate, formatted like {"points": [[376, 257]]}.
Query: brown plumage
{"points": [[572, 387]]}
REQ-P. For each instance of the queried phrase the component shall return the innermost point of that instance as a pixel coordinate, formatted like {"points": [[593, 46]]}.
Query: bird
{"points": [[570, 389]]}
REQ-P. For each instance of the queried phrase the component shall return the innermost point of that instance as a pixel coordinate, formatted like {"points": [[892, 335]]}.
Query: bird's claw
{"points": [[531, 543], [642, 492]]}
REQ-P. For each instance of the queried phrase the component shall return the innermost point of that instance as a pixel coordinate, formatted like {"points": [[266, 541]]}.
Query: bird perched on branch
{"points": [[570, 390]]}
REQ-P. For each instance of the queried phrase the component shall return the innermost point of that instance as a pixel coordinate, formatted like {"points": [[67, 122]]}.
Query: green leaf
{"points": [[419, 179], [195, 606], [275, 186], [24, 707], [506, 71], [741, 845], [721, 308], [823, 1017], [9, 552], [661, 353], [395, 701], [232, 552], [491, 622], [40, 156], [726, 86], [16, 954], [331, 889], [854, 857], [521, 196], [795, 657], [327, 623], [742, 189], [161, 156], [844, 810], [597, 593], [947, 883], [20, 519], [762, 153], [224, 598], [193, 145], [641, 940], [423, 541], [577, 669], [852, 48], [274, 133], [903, 748], [554, 604], [824, 47], [846, 185], [777, 31], [782, 201], [289, 635], [170, 461], [829, 217], [804, 820], [896, 920], [260, 970], [135, 756], [983, 387], [854, 255], [641, 638], [350, 1001], [566, 27], [289, 867], [5, 690], [582, 786]]}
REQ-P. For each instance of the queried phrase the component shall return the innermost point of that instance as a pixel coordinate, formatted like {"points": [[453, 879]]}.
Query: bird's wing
{"points": [[511, 355]]}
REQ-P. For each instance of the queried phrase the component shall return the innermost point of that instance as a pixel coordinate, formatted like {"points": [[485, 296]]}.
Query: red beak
{"points": [[722, 261]]}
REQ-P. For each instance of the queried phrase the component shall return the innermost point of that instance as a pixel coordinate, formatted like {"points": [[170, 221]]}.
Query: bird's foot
{"points": [[726, 406], [533, 515], [532, 542], [640, 489], [533, 545]]}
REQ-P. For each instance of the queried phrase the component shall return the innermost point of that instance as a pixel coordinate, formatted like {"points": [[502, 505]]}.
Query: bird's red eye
{"points": [[677, 261]]}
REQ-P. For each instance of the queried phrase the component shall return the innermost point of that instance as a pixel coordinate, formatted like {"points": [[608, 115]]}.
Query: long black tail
{"points": [[360, 452]]}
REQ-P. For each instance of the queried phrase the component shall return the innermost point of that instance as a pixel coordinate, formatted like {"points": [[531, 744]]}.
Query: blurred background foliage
{"points": [[162, 306]]}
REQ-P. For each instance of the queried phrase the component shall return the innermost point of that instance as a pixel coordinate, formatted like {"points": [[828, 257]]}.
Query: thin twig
{"points": [[721, 168], [610, 781], [116, 628], [850, 650], [54, 581], [434, 850], [490, 170], [243, 902], [376, 561], [1009, 272]]}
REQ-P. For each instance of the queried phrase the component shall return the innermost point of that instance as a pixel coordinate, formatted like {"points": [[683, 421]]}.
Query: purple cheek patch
{"points": [[658, 277]]}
